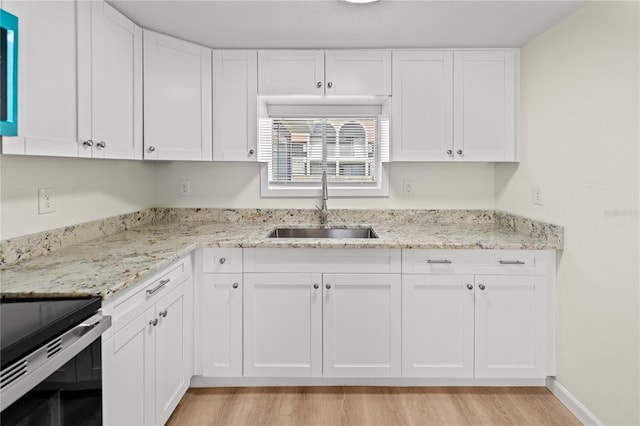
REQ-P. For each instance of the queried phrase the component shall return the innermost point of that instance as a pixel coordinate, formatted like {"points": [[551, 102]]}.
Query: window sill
{"points": [[315, 191]]}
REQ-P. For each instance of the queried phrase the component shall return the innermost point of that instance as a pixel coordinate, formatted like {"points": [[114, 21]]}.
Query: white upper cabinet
{"points": [[455, 105], [485, 93], [177, 99], [235, 97], [358, 72], [109, 83], [47, 91], [422, 106], [291, 72], [316, 72]]}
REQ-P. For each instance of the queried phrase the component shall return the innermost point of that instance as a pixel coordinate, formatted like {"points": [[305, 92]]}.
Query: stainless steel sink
{"points": [[323, 233]]}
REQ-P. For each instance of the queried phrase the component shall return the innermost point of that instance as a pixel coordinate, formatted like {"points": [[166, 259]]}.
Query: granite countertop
{"points": [[105, 265]]}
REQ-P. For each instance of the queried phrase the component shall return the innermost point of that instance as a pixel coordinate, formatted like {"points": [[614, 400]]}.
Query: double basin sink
{"points": [[362, 232]]}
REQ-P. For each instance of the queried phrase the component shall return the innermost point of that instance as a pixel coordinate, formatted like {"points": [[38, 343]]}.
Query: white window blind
{"points": [[298, 149]]}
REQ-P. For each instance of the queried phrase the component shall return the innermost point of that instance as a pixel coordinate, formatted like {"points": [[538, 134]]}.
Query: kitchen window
{"points": [[296, 150]]}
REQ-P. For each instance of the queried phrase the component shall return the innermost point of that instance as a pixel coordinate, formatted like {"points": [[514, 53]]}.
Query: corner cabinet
{"points": [[455, 105], [177, 99], [318, 72], [147, 354], [235, 103], [109, 83]]}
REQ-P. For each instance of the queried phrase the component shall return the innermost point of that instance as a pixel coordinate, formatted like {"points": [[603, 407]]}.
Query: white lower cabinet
{"points": [[510, 324], [492, 325], [283, 325], [221, 325], [147, 360], [313, 325], [361, 325], [437, 326]]}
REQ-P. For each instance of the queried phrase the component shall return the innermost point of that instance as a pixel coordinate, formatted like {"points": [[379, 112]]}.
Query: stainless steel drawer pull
{"points": [[158, 287], [222, 260], [234, 285], [153, 322], [511, 262], [439, 261], [163, 314]]}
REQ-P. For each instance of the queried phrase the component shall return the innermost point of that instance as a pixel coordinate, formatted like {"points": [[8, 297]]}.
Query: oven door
{"points": [[72, 395], [59, 383]]}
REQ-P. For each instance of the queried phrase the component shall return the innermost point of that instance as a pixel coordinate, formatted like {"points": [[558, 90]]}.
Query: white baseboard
{"points": [[572, 403], [206, 382]]}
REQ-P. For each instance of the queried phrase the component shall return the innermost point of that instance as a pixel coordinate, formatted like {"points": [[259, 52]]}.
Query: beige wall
{"points": [[580, 134], [86, 190], [438, 186]]}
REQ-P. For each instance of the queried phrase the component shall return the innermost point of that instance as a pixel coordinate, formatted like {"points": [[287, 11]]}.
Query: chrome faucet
{"points": [[324, 211]]}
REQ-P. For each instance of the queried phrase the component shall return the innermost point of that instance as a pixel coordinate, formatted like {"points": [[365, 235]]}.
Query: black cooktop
{"points": [[26, 324]]}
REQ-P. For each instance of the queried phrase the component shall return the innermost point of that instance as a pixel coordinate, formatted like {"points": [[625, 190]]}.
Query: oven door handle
{"points": [[20, 377]]}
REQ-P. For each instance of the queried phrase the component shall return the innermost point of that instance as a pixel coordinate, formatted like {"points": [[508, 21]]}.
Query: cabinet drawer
{"points": [[130, 303], [225, 260], [322, 260], [428, 261]]}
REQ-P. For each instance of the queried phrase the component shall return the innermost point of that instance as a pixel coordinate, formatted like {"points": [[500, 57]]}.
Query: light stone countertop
{"points": [[105, 265]]}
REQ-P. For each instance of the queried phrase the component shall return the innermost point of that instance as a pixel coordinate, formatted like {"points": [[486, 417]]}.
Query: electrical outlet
{"points": [[537, 195], [185, 188], [407, 187], [46, 200]]}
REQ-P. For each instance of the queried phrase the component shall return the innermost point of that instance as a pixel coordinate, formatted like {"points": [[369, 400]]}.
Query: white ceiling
{"points": [[336, 24]]}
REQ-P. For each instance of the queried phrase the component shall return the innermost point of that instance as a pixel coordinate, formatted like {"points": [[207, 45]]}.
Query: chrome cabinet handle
{"points": [[234, 285], [449, 151], [328, 286], [251, 152], [222, 260], [319, 84], [511, 262], [459, 152], [101, 144], [88, 143], [316, 286], [439, 261], [481, 286], [329, 85], [163, 314], [158, 287], [152, 148], [153, 322], [469, 286]]}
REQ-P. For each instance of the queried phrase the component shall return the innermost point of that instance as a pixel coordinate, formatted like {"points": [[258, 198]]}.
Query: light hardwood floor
{"points": [[341, 406]]}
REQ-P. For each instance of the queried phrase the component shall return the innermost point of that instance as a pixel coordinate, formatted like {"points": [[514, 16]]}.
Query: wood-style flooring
{"points": [[342, 406]]}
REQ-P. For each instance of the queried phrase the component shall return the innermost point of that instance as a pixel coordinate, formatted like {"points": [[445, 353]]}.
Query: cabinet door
{"points": [[110, 110], [437, 326], [47, 91], [358, 72], [422, 106], [221, 312], [361, 325], [509, 327], [235, 100], [177, 99], [128, 373], [485, 105], [171, 351], [283, 325], [291, 72]]}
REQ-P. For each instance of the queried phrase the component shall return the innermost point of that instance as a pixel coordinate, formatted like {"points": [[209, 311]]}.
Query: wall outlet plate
{"points": [[185, 188], [46, 200], [407, 186], [537, 195]]}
